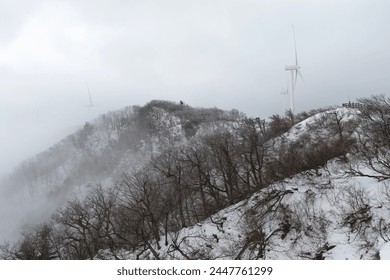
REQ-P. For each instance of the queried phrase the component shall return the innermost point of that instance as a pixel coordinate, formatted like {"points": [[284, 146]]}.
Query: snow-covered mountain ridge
{"points": [[99, 154], [316, 214], [305, 217], [209, 184]]}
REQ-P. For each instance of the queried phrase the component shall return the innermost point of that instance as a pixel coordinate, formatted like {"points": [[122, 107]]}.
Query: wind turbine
{"points": [[284, 92], [90, 98], [294, 72]]}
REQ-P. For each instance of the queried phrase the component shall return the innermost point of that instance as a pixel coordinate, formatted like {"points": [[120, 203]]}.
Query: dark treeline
{"points": [[188, 182]]}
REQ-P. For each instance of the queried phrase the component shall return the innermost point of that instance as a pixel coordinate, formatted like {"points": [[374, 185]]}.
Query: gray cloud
{"points": [[229, 54]]}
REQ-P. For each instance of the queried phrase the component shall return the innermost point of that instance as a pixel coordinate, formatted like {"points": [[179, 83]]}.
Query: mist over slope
{"points": [[167, 181], [99, 153]]}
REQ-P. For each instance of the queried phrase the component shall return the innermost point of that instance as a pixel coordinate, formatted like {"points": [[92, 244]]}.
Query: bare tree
{"points": [[141, 207], [253, 150], [85, 226], [373, 139], [37, 244]]}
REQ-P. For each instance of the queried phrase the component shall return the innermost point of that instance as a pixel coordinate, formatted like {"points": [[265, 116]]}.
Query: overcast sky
{"points": [[223, 53]]}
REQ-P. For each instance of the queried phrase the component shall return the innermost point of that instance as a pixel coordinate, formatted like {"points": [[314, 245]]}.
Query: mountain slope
{"points": [[329, 212], [166, 181], [305, 217], [99, 154]]}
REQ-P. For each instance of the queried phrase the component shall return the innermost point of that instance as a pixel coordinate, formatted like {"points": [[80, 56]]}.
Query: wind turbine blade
{"points": [[300, 75], [295, 45], [90, 98], [295, 77]]}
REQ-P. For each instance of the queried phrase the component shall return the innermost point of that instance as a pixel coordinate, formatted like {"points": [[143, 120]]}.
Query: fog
{"points": [[220, 53]]}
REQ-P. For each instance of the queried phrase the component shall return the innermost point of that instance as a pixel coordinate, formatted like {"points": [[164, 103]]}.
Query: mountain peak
{"points": [[189, 183]]}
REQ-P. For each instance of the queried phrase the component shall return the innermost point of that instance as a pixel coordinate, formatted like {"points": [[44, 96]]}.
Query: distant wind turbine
{"points": [[90, 98], [294, 72], [284, 92]]}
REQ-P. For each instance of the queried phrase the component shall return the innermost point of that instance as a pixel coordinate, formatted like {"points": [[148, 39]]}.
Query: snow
{"points": [[324, 207], [318, 204], [385, 251], [224, 240]]}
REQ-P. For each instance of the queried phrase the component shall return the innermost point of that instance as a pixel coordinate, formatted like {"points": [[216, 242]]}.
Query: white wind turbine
{"points": [[284, 93], [90, 98], [294, 72]]}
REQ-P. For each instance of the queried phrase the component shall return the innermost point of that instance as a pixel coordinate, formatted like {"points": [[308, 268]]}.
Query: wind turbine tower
{"points": [[284, 93], [294, 72]]}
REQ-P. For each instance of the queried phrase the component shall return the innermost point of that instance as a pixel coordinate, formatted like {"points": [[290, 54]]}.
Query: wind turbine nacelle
{"points": [[285, 91], [291, 67]]}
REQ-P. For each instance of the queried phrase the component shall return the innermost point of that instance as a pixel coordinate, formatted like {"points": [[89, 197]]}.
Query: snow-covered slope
{"points": [[313, 215], [98, 154], [184, 183], [322, 213]]}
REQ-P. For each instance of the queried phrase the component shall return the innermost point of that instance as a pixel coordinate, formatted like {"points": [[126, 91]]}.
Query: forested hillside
{"points": [[167, 181]]}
